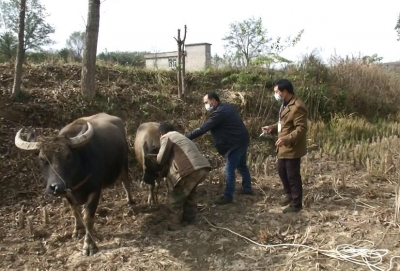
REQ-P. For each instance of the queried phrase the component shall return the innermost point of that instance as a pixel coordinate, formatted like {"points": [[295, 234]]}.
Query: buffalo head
{"points": [[62, 165], [151, 167]]}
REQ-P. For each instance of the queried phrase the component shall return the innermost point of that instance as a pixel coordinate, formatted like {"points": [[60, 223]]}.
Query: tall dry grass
{"points": [[371, 90], [342, 86]]}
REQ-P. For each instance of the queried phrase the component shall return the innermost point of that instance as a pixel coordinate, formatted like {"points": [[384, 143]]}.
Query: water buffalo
{"points": [[86, 156], [147, 144]]}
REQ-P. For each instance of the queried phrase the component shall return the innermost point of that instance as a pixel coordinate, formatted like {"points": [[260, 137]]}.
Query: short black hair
{"points": [[284, 84], [165, 127], [213, 95]]}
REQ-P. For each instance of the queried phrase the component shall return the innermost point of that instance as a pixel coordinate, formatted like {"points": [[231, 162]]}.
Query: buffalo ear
{"points": [[30, 137]]}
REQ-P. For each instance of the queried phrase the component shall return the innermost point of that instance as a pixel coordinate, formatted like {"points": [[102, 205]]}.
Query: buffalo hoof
{"points": [[151, 201], [78, 233], [90, 251]]}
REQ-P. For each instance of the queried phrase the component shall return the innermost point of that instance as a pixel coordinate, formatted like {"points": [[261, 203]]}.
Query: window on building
{"points": [[172, 62]]}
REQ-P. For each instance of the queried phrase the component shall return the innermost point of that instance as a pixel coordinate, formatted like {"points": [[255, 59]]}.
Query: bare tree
{"points": [[183, 81], [76, 42], [90, 50], [178, 40], [20, 51], [181, 63]]}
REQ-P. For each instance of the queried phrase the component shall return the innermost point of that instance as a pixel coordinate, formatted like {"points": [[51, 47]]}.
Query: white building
{"points": [[198, 58]]}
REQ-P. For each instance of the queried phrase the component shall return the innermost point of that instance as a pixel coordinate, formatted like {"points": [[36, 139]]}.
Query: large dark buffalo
{"points": [[147, 144], [86, 156]]}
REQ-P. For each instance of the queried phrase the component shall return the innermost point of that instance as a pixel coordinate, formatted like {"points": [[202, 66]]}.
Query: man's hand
{"points": [[280, 142], [266, 130]]}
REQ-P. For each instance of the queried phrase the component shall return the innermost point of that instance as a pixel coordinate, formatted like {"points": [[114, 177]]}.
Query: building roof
{"points": [[201, 43], [161, 55], [171, 54]]}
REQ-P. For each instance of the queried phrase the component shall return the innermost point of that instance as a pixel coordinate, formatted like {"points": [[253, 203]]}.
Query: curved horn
{"points": [[82, 139], [25, 145]]}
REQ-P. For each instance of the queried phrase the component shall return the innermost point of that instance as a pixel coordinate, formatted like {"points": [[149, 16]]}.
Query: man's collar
{"points": [[286, 103]]}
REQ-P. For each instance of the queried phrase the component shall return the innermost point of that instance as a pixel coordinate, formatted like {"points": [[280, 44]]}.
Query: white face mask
{"points": [[208, 107], [278, 97]]}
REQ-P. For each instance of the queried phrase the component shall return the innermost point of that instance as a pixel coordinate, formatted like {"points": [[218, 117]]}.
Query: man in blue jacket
{"points": [[231, 139]]}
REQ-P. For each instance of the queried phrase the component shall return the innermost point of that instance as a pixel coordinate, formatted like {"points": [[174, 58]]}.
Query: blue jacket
{"points": [[228, 131]]}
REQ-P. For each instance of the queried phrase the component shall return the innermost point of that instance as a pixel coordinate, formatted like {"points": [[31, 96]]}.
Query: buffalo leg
{"points": [[127, 185], [79, 229], [90, 247], [153, 191], [152, 199]]}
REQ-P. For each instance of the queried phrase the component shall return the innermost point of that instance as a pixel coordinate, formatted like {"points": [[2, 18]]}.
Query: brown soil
{"points": [[135, 238]]}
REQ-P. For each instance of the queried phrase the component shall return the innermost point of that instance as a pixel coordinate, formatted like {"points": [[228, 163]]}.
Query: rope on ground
{"points": [[369, 257]]}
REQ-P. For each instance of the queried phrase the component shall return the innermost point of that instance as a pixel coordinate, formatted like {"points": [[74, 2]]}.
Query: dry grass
{"points": [[350, 175]]}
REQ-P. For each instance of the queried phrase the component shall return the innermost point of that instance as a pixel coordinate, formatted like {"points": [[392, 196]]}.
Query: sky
{"points": [[331, 27]]}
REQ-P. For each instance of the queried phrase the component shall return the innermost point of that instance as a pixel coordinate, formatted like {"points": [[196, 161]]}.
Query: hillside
{"points": [[346, 198]]}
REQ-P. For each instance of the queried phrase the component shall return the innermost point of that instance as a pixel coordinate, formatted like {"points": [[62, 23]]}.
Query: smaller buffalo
{"points": [[86, 156], [147, 144]]}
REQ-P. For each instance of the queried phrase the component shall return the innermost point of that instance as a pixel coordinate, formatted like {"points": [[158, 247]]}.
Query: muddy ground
{"points": [[136, 238]]}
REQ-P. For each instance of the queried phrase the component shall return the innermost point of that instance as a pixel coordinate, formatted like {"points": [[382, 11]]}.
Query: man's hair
{"points": [[213, 95], [165, 127], [284, 84]]}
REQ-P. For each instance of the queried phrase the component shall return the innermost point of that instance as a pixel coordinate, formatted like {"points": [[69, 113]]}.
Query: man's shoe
{"points": [[223, 201], [246, 192], [174, 227], [285, 202], [291, 209], [187, 221]]}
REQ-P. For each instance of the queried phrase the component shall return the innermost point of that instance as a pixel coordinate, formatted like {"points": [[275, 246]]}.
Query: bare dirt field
{"points": [[343, 205]]}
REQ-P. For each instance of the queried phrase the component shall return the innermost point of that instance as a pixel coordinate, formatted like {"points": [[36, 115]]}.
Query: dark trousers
{"points": [[289, 172]]}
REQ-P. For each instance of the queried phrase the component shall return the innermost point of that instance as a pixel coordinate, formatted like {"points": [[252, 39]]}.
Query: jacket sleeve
{"points": [[300, 124], [165, 151], [274, 128], [215, 119]]}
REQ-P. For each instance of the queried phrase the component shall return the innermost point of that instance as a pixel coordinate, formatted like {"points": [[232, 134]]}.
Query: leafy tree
{"points": [[65, 54], [371, 59], [226, 61], [76, 42], [397, 28], [217, 61], [248, 41], [135, 59], [8, 46], [36, 31]]}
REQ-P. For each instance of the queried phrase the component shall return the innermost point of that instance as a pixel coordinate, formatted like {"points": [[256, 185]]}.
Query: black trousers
{"points": [[289, 173]]}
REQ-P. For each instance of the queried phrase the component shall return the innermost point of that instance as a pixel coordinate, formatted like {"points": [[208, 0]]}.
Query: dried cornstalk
{"points": [[21, 223], [30, 225], [45, 216], [369, 167], [343, 179], [397, 203]]}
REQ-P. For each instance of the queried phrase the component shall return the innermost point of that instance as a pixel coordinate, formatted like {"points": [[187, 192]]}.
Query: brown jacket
{"points": [[181, 155], [294, 130]]}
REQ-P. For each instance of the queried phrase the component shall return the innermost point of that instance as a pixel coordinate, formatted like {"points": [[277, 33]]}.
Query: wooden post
{"points": [[181, 63], [178, 40], [183, 81]]}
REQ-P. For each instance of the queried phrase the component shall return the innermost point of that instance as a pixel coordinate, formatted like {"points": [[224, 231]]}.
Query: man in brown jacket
{"points": [[291, 144], [186, 169]]}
